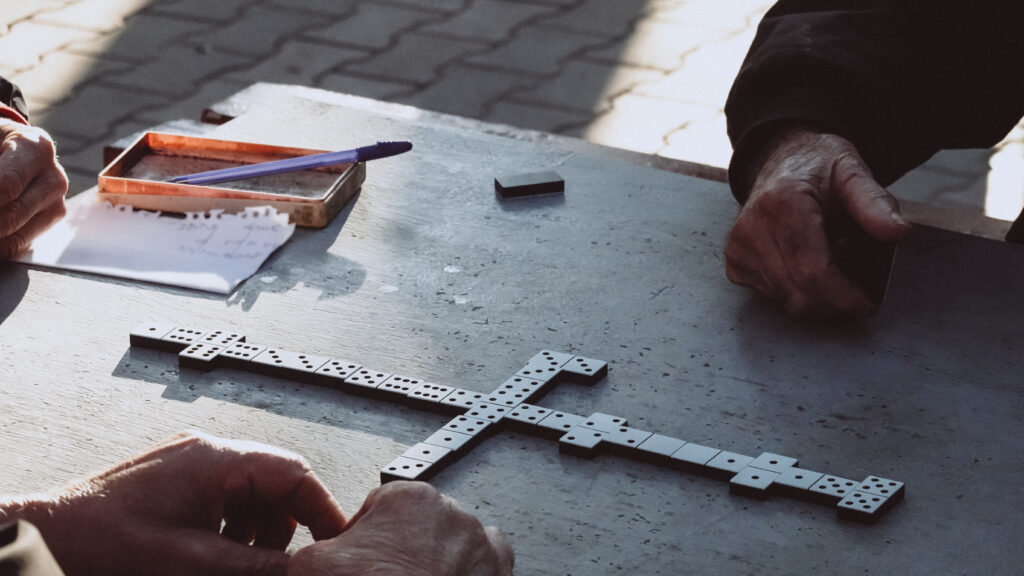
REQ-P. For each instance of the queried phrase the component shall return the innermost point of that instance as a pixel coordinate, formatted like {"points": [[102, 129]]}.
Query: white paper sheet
{"points": [[214, 252]]}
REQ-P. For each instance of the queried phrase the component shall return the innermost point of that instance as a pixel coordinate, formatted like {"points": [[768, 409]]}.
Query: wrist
{"points": [[760, 145], [774, 147]]}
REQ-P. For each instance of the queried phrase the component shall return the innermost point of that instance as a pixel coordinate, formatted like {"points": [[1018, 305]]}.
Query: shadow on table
{"points": [[14, 279], [527, 203], [305, 258], [279, 396]]}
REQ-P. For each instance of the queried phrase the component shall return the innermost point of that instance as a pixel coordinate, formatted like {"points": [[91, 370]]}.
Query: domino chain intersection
{"points": [[478, 415]]}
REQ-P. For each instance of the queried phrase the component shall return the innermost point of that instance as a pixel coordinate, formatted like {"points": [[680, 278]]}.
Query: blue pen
{"points": [[378, 150]]}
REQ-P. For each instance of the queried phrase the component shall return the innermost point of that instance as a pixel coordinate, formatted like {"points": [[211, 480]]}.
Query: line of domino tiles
{"points": [[479, 415]]}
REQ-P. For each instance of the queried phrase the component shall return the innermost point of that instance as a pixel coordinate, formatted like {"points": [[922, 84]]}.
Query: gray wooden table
{"points": [[427, 274]]}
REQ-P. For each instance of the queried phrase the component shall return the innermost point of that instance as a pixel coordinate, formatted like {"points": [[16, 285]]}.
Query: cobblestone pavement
{"points": [[649, 76]]}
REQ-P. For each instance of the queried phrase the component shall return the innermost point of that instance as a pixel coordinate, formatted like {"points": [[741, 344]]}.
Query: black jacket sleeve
{"points": [[10, 95], [901, 79]]}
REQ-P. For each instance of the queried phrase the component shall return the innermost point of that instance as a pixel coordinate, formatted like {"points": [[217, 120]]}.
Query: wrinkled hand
{"points": [[778, 244], [32, 186], [162, 511], [408, 529]]}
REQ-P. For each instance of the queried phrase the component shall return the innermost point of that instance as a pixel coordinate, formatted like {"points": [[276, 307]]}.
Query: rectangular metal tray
{"points": [[138, 177]]}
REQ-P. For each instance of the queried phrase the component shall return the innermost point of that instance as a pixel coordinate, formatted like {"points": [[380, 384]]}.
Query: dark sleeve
{"points": [[23, 552], [10, 96], [900, 79]]}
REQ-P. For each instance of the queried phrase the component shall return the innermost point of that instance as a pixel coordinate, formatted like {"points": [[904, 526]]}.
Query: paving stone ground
{"points": [[645, 75]]}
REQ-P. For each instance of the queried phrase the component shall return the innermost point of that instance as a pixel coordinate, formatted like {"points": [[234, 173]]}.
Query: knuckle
{"points": [[303, 465], [20, 244], [268, 565], [190, 435], [32, 136], [778, 209], [849, 169], [416, 491], [60, 209], [192, 438], [743, 234], [47, 142], [735, 272], [42, 142], [57, 181], [850, 161]]}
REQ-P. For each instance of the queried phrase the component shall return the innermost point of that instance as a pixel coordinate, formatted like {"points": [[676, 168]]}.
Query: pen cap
{"points": [[382, 150]]}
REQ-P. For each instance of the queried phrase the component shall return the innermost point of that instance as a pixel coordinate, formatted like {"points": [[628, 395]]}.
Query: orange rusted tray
{"points": [[138, 177]]}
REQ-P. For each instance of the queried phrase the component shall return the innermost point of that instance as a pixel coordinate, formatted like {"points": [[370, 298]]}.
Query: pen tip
{"points": [[383, 150], [397, 146]]}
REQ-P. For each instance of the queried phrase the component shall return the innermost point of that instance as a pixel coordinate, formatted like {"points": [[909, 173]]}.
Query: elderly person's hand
{"points": [[778, 244], [408, 529], [193, 505], [32, 186]]}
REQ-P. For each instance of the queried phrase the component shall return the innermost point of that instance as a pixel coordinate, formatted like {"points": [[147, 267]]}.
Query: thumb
{"points": [[208, 553], [867, 202]]}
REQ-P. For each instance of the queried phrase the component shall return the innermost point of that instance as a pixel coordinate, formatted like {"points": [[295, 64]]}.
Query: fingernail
{"points": [[899, 219]]}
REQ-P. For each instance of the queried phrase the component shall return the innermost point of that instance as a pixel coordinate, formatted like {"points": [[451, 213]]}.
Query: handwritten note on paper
{"points": [[214, 251]]}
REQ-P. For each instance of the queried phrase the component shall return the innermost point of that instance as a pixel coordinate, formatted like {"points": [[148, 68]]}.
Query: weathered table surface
{"points": [[427, 274]]}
